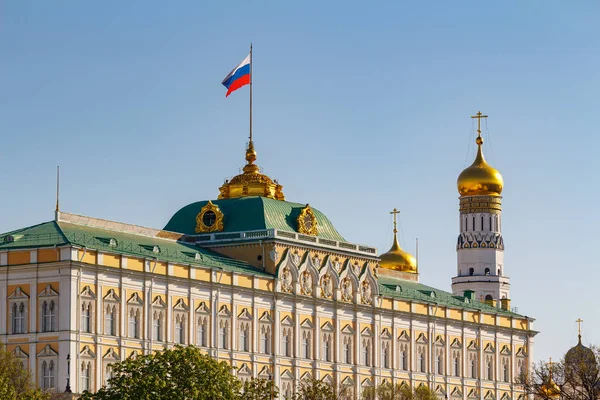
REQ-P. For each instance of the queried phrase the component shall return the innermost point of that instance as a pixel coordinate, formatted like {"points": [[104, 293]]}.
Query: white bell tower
{"points": [[480, 246]]}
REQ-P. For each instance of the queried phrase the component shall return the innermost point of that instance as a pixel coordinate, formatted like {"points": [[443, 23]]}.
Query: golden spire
{"points": [[251, 182], [396, 258], [480, 179]]}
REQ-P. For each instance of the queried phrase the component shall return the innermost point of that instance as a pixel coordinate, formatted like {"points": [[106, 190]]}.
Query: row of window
{"points": [[19, 315]]}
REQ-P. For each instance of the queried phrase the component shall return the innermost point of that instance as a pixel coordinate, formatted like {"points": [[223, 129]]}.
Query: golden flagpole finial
{"points": [[479, 116], [57, 188]]}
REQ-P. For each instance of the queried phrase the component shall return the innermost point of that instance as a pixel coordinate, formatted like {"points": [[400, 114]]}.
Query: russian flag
{"points": [[238, 77]]}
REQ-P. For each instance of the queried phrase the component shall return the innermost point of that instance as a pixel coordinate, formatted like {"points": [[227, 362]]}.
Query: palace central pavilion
{"points": [[269, 286]]}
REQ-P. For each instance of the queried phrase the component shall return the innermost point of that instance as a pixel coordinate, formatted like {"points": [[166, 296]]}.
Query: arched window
{"points": [[285, 343], [201, 332], [85, 376], [223, 332], [134, 323], [490, 370], [157, 326], [385, 362], [440, 365], [48, 316], [306, 345], [473, 369], [471, 271], [347, 350], [403, 360], [86, 317], [422, 362], [180, 329], [487, 271], [266, 340], [47, 375], [244, 337], [110, 320], [505, 372], [489, 297], [327, 347]]}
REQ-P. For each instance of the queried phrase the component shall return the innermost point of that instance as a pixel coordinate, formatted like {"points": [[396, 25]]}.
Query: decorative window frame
{"points": [[109, 358], [159, 313], [348, 340], [327, 342], [19, 298], [48, 357], [287, 331], [21, 356], [111, 302], [307, 335], [181, 313], [224, 327], [244, 325], [135, 308], [87, 301], [50, 297], [87, 357], [265, 330], [244, 373], [366, 347], [203, 320]]}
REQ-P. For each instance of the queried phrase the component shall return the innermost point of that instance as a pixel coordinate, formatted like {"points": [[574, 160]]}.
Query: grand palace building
{"points": [[271, 287]]}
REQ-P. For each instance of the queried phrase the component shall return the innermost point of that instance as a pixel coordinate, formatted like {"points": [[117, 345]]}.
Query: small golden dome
{"points": [[251, 182], [480, 179], [398, 260], [550, 389]]}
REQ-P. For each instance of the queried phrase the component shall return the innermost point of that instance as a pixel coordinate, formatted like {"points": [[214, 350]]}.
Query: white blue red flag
{"points": [[238, 77]]}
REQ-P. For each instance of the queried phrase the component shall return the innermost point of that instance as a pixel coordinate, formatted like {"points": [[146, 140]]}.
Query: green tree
{"points": [[317, 389], [15, 381], [181, 373], [259, 389], [387, 391]]}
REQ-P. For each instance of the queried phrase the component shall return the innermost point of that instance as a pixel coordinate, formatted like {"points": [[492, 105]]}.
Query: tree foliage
{"points": [[181, 373], [387, 391], [15, 381], [575, 377], [318, 389], [259, 389]]}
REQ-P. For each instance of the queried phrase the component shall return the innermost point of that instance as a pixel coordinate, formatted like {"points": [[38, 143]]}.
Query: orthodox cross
{"points": [[550, 364], [395, 212], [579, 321], [479, 116]]}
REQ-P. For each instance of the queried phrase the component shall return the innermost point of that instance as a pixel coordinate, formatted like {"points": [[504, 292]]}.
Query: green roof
{"points": [[252, 213], [415, 291], [54, 233]]}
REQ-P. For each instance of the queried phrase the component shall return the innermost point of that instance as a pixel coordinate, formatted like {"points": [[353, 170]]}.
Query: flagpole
{"points": [[250, 94]]}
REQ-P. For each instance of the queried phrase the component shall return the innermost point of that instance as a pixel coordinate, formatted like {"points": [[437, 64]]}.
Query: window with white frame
{"points": [[86, 374], [48, 303], [18, 304], [287, 341], [347, 349], [159, 312], [134, 314], [505, 361], [22, 357], [439, 360], [87, 301], [224, 327], [422, 358], [47, 361], [202, 331], [180, 316], [366, 349], [109, 358], [385, 354], [306, 343], [244, 330], [265, 339], [111, 313], [489, 365], [403, 356]]}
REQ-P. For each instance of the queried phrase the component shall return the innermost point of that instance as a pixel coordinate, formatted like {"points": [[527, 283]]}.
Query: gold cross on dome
{"points": [[479, 116], [550, 364], [395, 212], [579, 321]]}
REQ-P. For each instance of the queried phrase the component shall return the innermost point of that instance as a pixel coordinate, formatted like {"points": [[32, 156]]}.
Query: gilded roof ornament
{"points": [[480, 179], [209, 219], [397, 259], [307, 222], [251, 182]]}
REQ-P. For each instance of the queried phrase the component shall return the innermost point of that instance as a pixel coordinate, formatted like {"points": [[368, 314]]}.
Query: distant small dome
{"points": [[580, 354], [398, 260], [480, 179]]}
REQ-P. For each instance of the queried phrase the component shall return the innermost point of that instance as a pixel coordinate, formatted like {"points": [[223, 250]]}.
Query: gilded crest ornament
{"points": [[209, 219], [307, 222]]}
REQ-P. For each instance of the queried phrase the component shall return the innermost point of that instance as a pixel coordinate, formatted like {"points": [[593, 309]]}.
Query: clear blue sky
{"points": [[359, 108]]}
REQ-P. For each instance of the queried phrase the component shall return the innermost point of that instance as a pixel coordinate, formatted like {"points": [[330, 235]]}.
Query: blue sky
{"points": [[357, 110]]}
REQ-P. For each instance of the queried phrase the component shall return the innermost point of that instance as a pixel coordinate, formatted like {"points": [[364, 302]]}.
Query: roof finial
{"points": [[579, 321], [479, 116], [57, 188], [395, 212]]}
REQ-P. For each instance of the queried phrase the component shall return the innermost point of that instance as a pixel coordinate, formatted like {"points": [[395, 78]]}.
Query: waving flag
{"points": [[239, 76]]}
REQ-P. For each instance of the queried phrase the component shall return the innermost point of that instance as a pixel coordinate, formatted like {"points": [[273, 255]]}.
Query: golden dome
{"points": [[251, 182], [397, 259], [550, 389], [480, 179]]}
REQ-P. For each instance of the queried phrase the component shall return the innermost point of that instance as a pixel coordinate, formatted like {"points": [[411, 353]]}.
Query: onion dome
{"points": [[397, 259], [480, 179], [550, 389], [580, 355], [251, 182]]}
